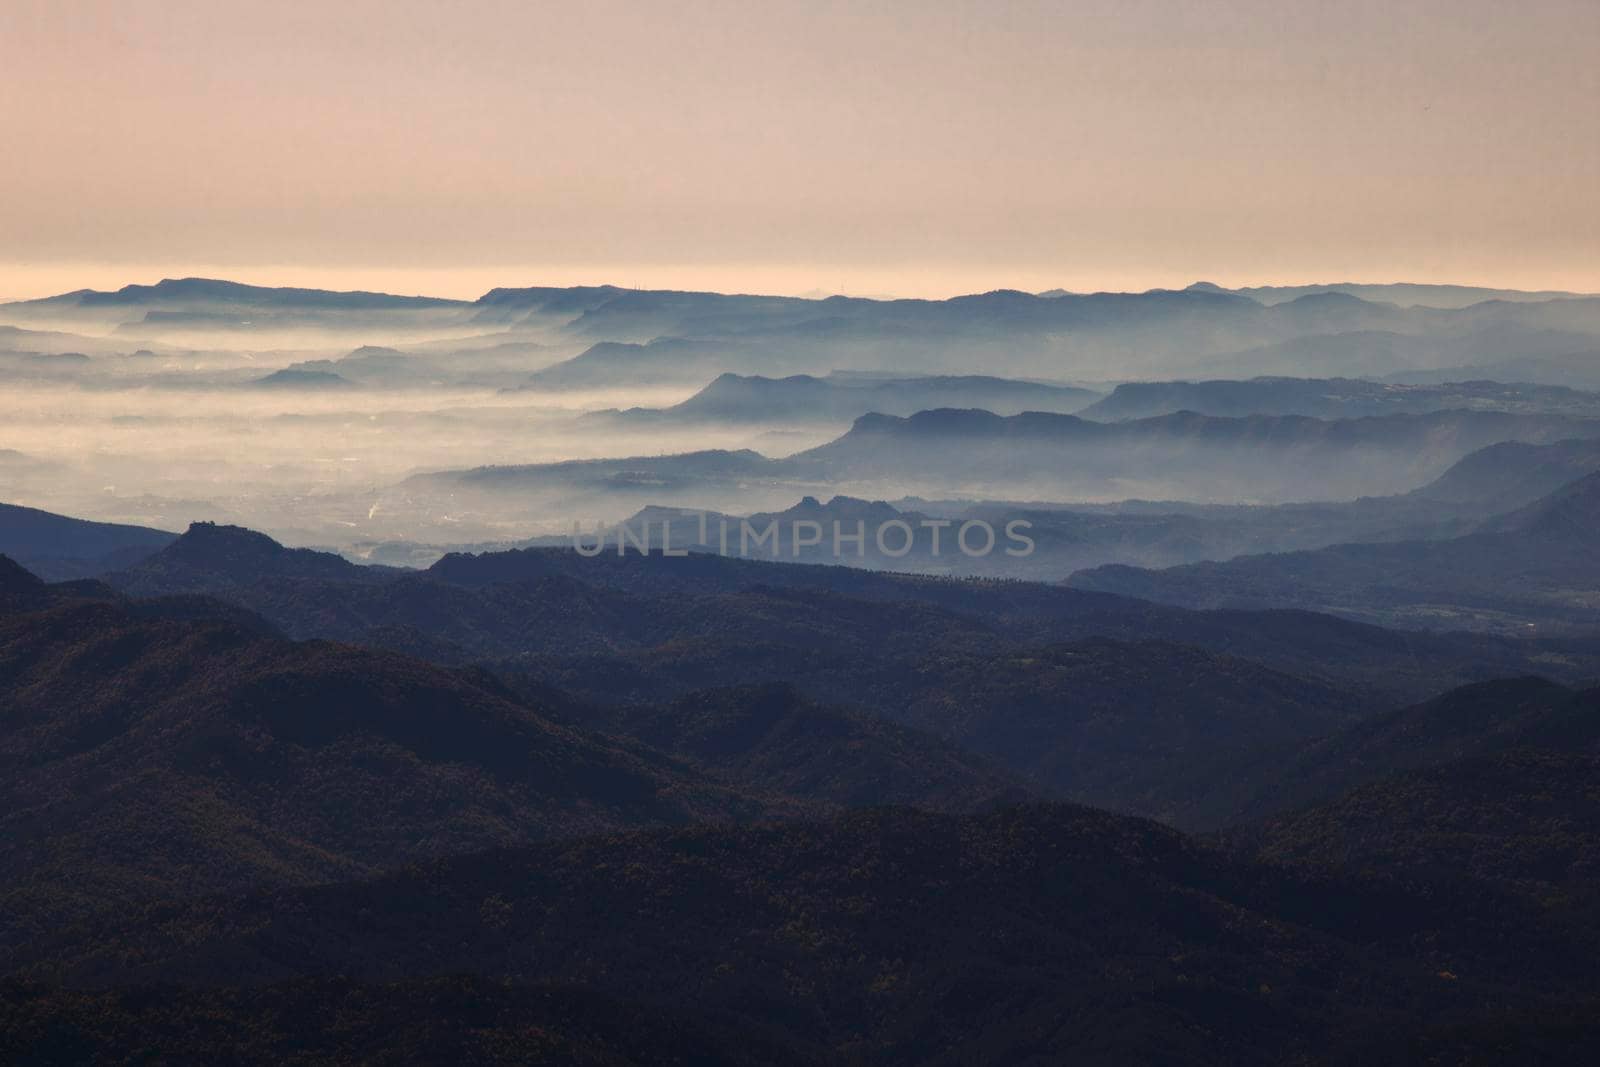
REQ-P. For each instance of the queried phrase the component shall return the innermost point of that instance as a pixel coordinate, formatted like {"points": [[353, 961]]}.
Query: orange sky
{"points": [[908, 148]]}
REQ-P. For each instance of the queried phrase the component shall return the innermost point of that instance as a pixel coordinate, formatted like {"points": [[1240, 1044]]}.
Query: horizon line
{"points": [[319, 281]]}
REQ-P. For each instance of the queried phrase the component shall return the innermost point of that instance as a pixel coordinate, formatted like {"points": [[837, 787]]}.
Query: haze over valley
{"points": [[356, 420]]}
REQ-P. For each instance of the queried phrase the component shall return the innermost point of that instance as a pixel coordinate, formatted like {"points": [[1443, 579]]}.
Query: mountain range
{"points": [[1067, 538], [845, 398], [1264, 458], [1332, 398], [1534, 568], [1032, 456], [887, 936], [629, 829], [690, 337], [635, 629], [1405, 294], [1307, 778], [163, 747], [58, 548]]}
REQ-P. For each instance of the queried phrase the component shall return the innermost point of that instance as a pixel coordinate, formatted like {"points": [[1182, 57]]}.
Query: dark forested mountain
{"points": [[1333, 398], [1495, 783], [1050, 933], [155, 753], [1527, 819], [1471, 722], [648, 628], [56, 547], [453, 1019], [1004, 669], [771, 738], [1120, 724], [1125, 725], [1532, 568], [149, 752]]}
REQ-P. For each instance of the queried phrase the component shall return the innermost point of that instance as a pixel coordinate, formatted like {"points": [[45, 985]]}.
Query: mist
{"points": [[403, 426]]}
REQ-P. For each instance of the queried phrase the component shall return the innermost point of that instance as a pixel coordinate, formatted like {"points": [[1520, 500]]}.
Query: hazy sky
{"points": [[912, 148]]}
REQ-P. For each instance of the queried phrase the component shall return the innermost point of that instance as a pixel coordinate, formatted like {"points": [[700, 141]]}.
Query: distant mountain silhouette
{"points": [[427, 365], [656, 474], [1066, 538], [663, 361], [213, 558], [1566, 515], [451, 1019], [18, 342], [57, 547], [1535, 567], [690, 337], [950, 453], [1475, 350], [181, 291], [803, 398], [1554, 358], [1404, 293], [1512, 474], [1332, 398], [1261, 457], [297, 378]]}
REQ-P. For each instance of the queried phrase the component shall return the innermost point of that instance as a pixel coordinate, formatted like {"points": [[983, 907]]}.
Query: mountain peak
{"points": [[211, 539], [208, 551]]}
